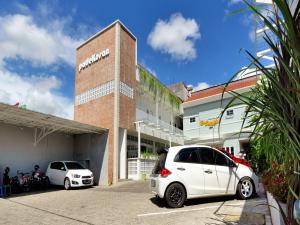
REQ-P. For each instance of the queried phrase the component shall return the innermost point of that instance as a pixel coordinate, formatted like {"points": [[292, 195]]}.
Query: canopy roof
{"points": [[23, 117]]}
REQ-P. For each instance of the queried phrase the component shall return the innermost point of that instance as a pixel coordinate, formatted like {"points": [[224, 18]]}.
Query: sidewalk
{"points": [[252, 211]]}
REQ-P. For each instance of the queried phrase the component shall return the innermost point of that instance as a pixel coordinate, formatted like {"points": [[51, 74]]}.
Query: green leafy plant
{"points": [[273, 108], [156, 88]]}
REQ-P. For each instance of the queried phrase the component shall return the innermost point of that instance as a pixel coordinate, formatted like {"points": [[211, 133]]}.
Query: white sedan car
{"points": [[186, 172], [69, 174]]}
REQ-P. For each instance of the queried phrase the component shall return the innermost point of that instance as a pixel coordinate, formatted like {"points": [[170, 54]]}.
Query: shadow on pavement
{"points": [[197, 201], [52, 188]]}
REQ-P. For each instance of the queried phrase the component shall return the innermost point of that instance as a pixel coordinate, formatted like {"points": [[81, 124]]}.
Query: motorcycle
{"points": [[15, 185], [39, 179], [25, 181]]}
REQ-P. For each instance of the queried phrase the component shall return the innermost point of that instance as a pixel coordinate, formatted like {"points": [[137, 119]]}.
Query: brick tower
{"points": [[105, 87]]}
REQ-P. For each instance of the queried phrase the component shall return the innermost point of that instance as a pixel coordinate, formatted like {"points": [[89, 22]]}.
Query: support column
{"points": [[116, 106], [139, 151], [123, 154], [170, 141]]}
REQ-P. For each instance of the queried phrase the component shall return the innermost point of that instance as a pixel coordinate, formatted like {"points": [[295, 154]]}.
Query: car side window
{"points": [[207, 156], [220, 159], [187, 155], [61, 166], [54, 166]]}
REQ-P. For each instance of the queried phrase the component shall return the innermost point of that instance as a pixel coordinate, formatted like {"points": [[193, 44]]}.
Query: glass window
{"points": [[188, 155], [229, 112], [160, 163], [207, 156], [221, 160], [74, 166], [54, 165], [57, 165], [232, 150], [192, 120]]}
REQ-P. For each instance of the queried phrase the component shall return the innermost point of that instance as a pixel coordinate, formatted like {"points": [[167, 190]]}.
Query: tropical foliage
{"points": [[156, 88], [275, 102]]}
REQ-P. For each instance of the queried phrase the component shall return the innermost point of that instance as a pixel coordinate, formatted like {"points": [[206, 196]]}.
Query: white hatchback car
{"points": [[186, 172], [69, 174]]}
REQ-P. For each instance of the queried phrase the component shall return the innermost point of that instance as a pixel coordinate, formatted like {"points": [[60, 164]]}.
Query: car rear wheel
{"points": [[175, 195], [245, 188], [67, 184]]}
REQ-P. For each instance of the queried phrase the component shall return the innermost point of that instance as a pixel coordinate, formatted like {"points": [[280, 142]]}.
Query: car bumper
{"points": [[79, 182], [158, 185]]}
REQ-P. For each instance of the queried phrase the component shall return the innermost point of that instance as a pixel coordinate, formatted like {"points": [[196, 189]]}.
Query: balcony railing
{"points": [[157, 123]]}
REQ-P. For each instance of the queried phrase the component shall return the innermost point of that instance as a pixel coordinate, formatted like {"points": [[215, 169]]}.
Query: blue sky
{"points": [[38, 41]]}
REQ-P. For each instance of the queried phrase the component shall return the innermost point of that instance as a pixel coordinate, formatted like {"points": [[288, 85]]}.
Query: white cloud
{"points": [[175, 37], [38, 93], [200, 86], [21, 38]]}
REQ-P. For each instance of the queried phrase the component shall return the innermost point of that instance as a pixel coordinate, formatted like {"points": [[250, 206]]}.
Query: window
{"points": [[54, 165], [74, 166], [57, 166], [207, 156], [232, 150], [229, 113], [221, 160], [192, 120], [188, 155], [160, 163]]}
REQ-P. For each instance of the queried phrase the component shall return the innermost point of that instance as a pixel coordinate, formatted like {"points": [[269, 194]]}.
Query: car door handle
{"points": [[180, 168], [208, 171]]}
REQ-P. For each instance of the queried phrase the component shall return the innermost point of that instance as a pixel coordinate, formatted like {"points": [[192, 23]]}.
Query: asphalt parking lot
{"points": [[125, 203]]}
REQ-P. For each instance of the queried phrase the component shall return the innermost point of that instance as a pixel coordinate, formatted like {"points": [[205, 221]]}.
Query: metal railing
{"points": [[154, 121]]}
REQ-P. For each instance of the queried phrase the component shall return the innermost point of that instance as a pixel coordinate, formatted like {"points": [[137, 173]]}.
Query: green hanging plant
{"points": [[157, 89]]}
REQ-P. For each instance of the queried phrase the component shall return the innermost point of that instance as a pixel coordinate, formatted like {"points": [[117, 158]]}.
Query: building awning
{"points": [[48, 123]]}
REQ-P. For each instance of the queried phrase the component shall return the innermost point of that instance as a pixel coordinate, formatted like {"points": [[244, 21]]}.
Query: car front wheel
{"points": [[245, 188], [67, 184], [175, 195]]}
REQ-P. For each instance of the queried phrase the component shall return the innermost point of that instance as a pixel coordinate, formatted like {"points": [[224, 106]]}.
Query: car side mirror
{"points": [[232, 164], [62, 168]]}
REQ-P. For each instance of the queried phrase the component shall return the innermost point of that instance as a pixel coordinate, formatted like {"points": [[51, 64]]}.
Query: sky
{"points": [[195, 41]]}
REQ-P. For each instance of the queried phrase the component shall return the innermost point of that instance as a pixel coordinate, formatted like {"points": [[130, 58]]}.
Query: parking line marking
{"points": [[177, 211]]}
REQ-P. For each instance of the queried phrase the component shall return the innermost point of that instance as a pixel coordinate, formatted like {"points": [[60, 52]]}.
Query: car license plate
{"points": [[86, 181], [153, 183]]}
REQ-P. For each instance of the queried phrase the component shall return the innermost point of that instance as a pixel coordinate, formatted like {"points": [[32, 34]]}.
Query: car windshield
{"points": [[74, 166]]}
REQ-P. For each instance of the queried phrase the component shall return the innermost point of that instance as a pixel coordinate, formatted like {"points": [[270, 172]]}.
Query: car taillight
{"points": [[165, 172]]}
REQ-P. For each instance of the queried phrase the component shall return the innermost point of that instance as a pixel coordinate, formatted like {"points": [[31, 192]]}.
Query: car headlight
{"points": [[75, 175]]}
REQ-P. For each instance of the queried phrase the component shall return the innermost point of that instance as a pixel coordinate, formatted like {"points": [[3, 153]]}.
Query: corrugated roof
{"points": [[22, 117]]}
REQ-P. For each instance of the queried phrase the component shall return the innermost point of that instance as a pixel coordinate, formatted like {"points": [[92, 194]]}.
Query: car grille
{"points": [[84, 177]]}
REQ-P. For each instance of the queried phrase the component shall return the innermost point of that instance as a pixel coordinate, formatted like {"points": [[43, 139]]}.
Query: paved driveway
{"points": [[126, 203]]}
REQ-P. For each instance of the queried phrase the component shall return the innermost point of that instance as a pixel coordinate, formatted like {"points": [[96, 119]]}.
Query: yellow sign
{"points": [[209, 123]]}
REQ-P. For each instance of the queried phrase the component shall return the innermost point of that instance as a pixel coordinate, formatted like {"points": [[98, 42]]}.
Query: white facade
{"points": [[202, 123], [158, 124]]}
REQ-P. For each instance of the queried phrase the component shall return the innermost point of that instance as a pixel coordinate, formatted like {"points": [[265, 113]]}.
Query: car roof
{"points": [[188, 146], [64, 161]]}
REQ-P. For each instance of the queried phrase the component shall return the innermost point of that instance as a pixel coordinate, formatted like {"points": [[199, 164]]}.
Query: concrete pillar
{"points": [[123, 153], [139, 151], [116, 106]]}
